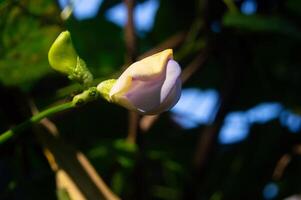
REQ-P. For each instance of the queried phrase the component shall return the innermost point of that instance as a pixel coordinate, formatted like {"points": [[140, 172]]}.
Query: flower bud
{"points": [[63, 58], [149, 86]]}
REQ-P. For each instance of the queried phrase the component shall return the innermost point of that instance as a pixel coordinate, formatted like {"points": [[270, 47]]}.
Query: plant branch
{"points": [[34, 119], [130, 36], [74, 172], [131, 56]]}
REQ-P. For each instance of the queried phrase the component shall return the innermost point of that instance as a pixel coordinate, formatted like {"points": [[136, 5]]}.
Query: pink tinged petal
{"points": [[149, 86], [156, 94], [145, 94], [144, 69], [171, 99], [174, 95], [173, 71]]}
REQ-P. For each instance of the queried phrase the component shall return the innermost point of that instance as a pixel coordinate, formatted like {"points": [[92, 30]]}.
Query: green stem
{"points": [[34, 119]]}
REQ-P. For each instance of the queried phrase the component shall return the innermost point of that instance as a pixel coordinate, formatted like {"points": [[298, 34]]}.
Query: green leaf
{"points": [[258, 23], [62, 194], [118, 181], [294, 6], [25, 46]]}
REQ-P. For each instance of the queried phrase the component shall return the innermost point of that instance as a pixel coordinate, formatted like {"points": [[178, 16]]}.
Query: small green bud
{"points": [[62, 55], [63, 58], [104, 88]]}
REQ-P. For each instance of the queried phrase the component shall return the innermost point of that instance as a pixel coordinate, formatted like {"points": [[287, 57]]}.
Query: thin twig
{"points": [[207, 143], [281, 166], [170, 43], [284, 161], [130, 42], [130, 36], [194, 66], [132, 127]]}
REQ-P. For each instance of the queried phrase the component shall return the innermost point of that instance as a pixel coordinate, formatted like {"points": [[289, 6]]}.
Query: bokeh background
{"points": [[234, 134]]}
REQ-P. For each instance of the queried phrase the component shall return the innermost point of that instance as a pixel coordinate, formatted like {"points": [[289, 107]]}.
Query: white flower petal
{"points": [[149, 86], [172, 73]]}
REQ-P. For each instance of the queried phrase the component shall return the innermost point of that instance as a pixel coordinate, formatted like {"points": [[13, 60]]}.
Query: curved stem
{"points": [[34, 119]]}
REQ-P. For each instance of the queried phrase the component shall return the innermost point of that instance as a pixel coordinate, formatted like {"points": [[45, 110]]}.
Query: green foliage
{"points": [[257, 23], [294, 6], [62, 194], [26, 41]]}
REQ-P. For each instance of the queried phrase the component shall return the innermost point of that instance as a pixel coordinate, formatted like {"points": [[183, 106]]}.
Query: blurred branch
{"points": [[138, 174], [297, 149], [231, 6], [130, 36], [281, 166], [132, 127], [194, 66], [170, 42], [74, 173], [208, 136], [193, 42], [235, 71], [131, 56], [206, 144], [284, 162]]}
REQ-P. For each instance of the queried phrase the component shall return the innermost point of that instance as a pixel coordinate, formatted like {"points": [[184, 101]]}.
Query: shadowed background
{"points": [[234, 134]]}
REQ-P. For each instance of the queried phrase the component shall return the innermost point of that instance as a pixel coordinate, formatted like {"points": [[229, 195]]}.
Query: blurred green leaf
{"points": [[62, 194], [294, 6], [118, 181], [260, 23], [123, 145], [167, 193], [26, 43]]}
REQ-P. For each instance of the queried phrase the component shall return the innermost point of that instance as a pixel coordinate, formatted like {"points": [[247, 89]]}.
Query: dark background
{"points": [[247, 51]]}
